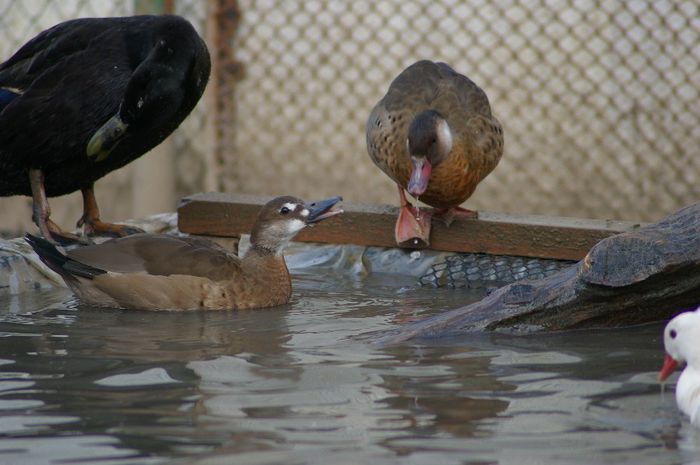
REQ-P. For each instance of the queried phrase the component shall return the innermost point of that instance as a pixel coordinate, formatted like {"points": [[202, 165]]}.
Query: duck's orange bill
{"points": [[669, 367]]}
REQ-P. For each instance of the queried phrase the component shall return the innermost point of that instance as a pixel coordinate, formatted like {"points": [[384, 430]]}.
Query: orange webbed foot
{"points": [[58, 236], [413, 227], [95, 226], [448, 215]]}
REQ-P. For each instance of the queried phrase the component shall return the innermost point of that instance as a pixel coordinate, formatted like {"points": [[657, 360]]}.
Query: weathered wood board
{"points": [[219, 214]]}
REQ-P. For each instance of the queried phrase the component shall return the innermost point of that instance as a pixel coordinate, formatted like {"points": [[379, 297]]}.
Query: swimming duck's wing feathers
{"points": [[69, 269], [157, 272], [160, 255]]}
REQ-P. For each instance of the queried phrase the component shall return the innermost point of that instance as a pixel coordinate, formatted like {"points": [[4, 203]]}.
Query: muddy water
{"points": [[303, 384]]}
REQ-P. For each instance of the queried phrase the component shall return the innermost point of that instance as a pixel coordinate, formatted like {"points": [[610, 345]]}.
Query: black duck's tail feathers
{"points": [[67, 267]]}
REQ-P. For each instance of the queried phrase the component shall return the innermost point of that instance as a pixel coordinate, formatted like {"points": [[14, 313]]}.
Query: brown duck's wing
{"points": [[486, 135], [386, 142], [428, 85], [160, 254], [415, 88], [462, 96], [479, 135]]}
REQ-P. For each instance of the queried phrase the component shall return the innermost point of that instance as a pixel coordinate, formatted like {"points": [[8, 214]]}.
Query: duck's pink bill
{"points": [[420, 176]]}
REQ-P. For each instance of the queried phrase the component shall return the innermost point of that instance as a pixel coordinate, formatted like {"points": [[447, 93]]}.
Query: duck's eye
{"points": [[284, 210], [673, 334]]}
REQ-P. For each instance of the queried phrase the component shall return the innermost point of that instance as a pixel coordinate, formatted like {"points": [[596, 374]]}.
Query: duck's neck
{"points": [[269, 271], [264, 258]]}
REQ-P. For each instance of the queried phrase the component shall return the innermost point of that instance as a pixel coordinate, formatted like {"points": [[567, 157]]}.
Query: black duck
{"points": [[88, 96]]}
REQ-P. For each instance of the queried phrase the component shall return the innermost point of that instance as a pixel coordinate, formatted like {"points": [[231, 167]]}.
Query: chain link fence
{"points": [[487, 272], [598, 98]]}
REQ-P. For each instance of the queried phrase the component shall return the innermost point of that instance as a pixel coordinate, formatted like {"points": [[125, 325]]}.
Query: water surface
{"points": [[303, 384]]}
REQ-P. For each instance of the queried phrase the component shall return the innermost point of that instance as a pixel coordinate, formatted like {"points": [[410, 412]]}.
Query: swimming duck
{"points": [[88, 96], [434, 135], [162, 272], [681, 337]]}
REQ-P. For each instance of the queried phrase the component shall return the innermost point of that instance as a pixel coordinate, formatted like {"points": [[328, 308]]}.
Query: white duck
{"points": [[681, 341]]}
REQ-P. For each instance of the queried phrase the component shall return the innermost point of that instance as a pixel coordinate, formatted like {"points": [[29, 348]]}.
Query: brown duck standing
{"points": [[162, 272], [434, 135]]}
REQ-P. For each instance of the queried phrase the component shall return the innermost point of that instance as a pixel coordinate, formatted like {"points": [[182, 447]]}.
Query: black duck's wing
{"points": [[67, 81], [46, 50]]}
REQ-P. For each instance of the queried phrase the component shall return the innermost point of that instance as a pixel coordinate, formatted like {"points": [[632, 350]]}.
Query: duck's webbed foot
{"points": [[93, 225], [412, 228], [448, 215]]}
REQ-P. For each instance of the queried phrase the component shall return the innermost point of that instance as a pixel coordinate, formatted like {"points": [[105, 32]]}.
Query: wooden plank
{"points": [[219, 214]]}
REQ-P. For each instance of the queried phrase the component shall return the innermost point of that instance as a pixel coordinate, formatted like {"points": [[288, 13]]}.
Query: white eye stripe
{"points": [[290, 206]]}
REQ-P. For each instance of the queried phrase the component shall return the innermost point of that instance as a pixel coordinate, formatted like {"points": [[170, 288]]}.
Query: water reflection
{"points": [[96, 367], [301, 384]]}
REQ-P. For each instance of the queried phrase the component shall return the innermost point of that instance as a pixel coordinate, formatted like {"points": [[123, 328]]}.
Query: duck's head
{"points": [[282, 218], [429, 142], [681, 337], [169, 69]]}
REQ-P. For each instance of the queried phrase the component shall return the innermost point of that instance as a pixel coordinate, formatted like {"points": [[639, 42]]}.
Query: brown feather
{"points": [[478, 136], [160, 254]]}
